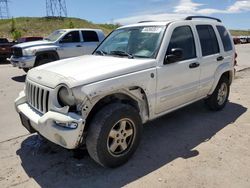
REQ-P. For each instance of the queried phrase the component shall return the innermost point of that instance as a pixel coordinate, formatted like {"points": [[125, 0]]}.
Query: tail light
{"points": [[235, 61]]}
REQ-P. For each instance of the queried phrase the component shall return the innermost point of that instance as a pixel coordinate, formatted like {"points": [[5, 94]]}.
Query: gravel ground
{"points": [[192, 147]]}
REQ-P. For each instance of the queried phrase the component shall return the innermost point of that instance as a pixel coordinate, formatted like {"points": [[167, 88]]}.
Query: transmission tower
{"points": [[4, 9], [56, 8]]}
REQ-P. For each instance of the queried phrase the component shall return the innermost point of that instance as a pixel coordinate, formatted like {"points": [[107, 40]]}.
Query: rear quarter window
{"points": [[90, 36], [208, 40], [224, 35]]}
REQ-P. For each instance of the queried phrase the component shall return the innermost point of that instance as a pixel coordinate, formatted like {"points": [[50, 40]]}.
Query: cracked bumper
{"points": [[47, 124], [23, 62]]}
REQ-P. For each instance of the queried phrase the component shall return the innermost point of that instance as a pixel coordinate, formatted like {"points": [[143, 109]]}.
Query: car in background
{"points": [[236, 40], [248, 39], [5, 48], [61, 44], [3, 40], [28, 39], [243, 40]]}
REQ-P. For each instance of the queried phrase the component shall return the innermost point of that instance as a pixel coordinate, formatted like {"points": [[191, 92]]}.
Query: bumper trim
{"points": [[45, 124], [23, 62]]}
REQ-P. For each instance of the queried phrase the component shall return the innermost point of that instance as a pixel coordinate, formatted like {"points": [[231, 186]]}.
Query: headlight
{"points": [[65, 97], [29, 52]]}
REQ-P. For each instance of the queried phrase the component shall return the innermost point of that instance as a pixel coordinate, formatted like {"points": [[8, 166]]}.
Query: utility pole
{"points": [[56, 8], [4, 9]]}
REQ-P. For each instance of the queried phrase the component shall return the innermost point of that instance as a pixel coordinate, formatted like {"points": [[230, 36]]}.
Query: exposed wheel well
{"points": [[114, 98], [228, 76]]}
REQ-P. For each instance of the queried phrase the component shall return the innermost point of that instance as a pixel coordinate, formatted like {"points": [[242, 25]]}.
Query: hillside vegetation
{"points": [[240, 33], [29, 26], [44, 26]]}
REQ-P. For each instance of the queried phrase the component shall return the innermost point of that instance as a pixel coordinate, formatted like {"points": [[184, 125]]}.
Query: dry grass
{"points": [[44, 26]]}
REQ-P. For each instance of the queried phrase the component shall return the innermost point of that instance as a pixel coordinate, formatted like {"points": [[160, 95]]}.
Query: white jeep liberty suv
{"points": [[138, 73]]}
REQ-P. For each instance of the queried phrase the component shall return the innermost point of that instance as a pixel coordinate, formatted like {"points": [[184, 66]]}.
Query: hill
{"points": [[29, 26], [43, 26], [240, 33]]}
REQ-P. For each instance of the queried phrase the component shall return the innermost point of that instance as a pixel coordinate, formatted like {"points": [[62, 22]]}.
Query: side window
{"points": [[227, 44], [182, 37], [71, 37], [208, 40], [90, 36]]}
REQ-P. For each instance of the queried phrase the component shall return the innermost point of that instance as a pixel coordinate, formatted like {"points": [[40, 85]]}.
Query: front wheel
{"points": [[26, 69], [219, 98], [114, 134], [42, 61]]}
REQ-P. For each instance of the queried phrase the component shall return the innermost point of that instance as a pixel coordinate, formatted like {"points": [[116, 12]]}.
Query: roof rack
{"points": [[146, 21], [206, 17]]}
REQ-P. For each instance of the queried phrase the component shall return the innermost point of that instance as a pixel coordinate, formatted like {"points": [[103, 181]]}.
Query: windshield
{"points": [[55, 35], [141, 42]]}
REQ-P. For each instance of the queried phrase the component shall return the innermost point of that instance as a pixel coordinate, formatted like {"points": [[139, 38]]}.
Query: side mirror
{"points": [[176, 54]]}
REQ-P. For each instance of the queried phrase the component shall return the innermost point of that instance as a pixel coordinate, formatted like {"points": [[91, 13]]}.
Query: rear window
{"points": [[3, 40], [208, 40], [227, 44], [90, 36]]}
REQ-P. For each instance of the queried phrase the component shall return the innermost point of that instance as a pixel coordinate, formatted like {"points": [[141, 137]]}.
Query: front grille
{"points": [[37, 97], [17, 52]]}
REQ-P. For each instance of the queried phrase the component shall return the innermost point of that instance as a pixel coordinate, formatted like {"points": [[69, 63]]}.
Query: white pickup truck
{"points": [[138, 73], [60, 44]]}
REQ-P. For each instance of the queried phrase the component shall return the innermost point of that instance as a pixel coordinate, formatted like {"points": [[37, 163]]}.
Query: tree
{"points": [[13, 25], [71, 25], [16, 34]]}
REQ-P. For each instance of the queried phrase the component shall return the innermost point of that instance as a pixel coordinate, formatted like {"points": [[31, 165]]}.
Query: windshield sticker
{"points": [[151, 30]]}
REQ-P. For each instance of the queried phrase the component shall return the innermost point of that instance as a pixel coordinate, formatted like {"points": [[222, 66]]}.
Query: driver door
{"points": [[178, 81], [71, 45]]}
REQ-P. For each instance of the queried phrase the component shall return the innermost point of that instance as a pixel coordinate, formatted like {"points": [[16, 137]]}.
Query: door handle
{"points": [[78, 46], [194, 65], [220, 58]]}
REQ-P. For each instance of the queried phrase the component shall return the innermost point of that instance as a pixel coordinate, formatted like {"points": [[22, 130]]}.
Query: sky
{"points": [[235, 14]]}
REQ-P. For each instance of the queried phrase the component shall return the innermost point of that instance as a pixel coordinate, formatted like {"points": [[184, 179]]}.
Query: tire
{"points": [[26, 69], [218, 100], [43, 61], [114, 134]]}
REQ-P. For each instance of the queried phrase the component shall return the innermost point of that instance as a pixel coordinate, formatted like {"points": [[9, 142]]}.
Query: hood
{"points": [[87, 69], [34, 43]]}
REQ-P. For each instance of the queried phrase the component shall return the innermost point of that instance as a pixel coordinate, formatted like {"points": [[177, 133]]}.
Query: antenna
{"points": [[56, 8], [4, 9]]}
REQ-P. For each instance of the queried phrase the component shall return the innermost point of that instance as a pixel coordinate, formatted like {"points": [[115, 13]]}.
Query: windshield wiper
{"points": [[122, 53], [100, 52]]}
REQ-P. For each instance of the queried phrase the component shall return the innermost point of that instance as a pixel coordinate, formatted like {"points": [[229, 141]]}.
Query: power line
{"points": [[56, 8], [4, 9]]}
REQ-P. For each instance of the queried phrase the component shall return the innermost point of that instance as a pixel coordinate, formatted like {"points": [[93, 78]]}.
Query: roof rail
{"points": [[146, 21], [205, 17]]}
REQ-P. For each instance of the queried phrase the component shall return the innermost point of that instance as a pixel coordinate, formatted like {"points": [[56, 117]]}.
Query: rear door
{"points": [[210, 58], [228, 51], [90, 40], [178, 82]]}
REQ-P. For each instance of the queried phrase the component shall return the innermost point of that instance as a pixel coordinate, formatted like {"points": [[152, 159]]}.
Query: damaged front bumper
{"points": [[63, 129]]}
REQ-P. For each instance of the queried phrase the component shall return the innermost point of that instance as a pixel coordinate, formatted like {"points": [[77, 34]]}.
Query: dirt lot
{"points": [[192, 147]]}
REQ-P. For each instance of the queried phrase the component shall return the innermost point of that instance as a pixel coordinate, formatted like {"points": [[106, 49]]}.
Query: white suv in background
{"points": [[61, 44], [138, 73]]}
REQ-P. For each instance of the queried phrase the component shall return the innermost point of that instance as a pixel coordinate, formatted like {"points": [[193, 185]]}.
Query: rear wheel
{"points": [[219, 98], [114, 135]]}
